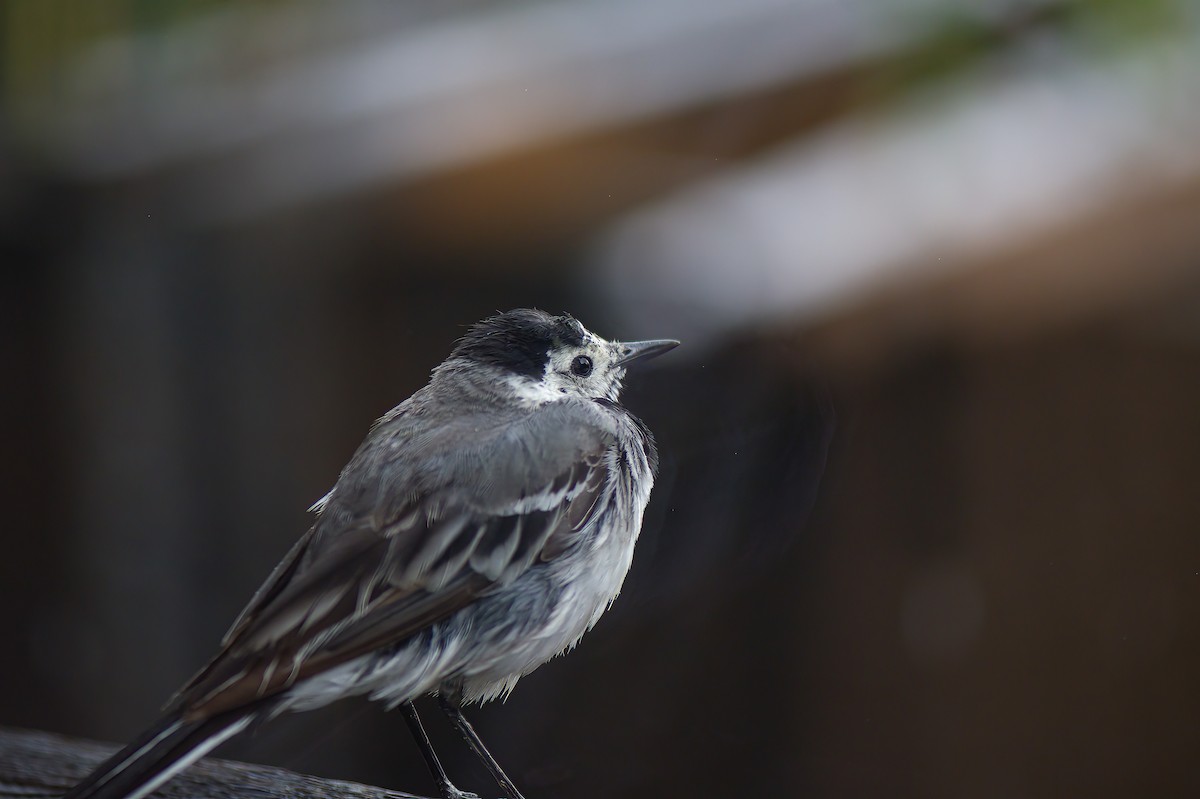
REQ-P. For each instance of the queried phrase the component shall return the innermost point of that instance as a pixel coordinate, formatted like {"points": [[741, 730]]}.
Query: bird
{"points": [[482, 527]]}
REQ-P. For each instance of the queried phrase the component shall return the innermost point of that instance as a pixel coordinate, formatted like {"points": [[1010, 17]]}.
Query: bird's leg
{"points": [[455, 714], [449, 791]]}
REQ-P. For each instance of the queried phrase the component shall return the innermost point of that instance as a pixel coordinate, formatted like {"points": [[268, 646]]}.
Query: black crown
{"points": [[520, 340]]}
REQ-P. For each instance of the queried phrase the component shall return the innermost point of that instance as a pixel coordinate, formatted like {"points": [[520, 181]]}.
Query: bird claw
{"points": [[455, 793], [449, 791]]}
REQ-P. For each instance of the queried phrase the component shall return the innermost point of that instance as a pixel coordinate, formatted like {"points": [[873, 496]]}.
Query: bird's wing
{"points": [[393, 568]]}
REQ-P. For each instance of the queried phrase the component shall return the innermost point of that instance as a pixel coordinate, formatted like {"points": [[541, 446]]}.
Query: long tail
{"points": [[159, 754]]}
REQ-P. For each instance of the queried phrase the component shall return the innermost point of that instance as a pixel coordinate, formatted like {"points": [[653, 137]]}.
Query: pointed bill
{"points": [[642, 350]]}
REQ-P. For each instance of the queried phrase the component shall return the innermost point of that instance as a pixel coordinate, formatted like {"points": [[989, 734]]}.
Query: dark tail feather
{"points": [[158, 754]]}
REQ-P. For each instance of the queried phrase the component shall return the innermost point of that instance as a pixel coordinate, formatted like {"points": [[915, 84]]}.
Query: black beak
{"points": [[641, 350]]}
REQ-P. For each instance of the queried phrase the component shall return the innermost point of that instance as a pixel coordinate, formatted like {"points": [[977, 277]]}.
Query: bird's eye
{"points": [[582, 365]]}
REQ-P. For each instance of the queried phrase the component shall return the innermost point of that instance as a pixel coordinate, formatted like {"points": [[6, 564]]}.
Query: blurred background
{"points": [[927, 524]]}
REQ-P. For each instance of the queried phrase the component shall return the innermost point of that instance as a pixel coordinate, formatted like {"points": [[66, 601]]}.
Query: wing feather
{"points": [[384, 575]]}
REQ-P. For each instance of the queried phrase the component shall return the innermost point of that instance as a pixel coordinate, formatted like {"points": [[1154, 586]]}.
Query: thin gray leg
{"points": [[455, 714], [431, 759]]}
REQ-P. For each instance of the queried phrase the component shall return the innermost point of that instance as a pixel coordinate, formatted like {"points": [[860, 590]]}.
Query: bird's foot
{"points": [[446, 792]]}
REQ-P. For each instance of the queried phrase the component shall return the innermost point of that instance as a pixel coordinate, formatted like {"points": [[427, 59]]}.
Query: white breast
{"points": [[590, 579]]}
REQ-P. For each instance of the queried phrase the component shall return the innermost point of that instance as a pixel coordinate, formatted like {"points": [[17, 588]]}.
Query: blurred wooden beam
{"points": [[245, 121], [1021, 193], [1129, 259]]}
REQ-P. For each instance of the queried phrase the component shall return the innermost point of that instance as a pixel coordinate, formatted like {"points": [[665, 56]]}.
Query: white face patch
{"points": [[588, 371]]}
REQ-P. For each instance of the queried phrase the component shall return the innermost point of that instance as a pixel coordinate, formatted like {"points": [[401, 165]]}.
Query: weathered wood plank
{"points": [[40, 764]]}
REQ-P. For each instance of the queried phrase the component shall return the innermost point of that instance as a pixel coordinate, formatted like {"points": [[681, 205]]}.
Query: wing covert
{"points": [[387, 577]]}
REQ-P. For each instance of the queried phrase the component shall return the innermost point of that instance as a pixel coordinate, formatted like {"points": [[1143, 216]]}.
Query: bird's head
{"points": [[543, 358]]}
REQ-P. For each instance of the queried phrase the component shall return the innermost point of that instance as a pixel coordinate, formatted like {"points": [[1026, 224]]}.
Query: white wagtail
{"points": [[481, 529]]}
